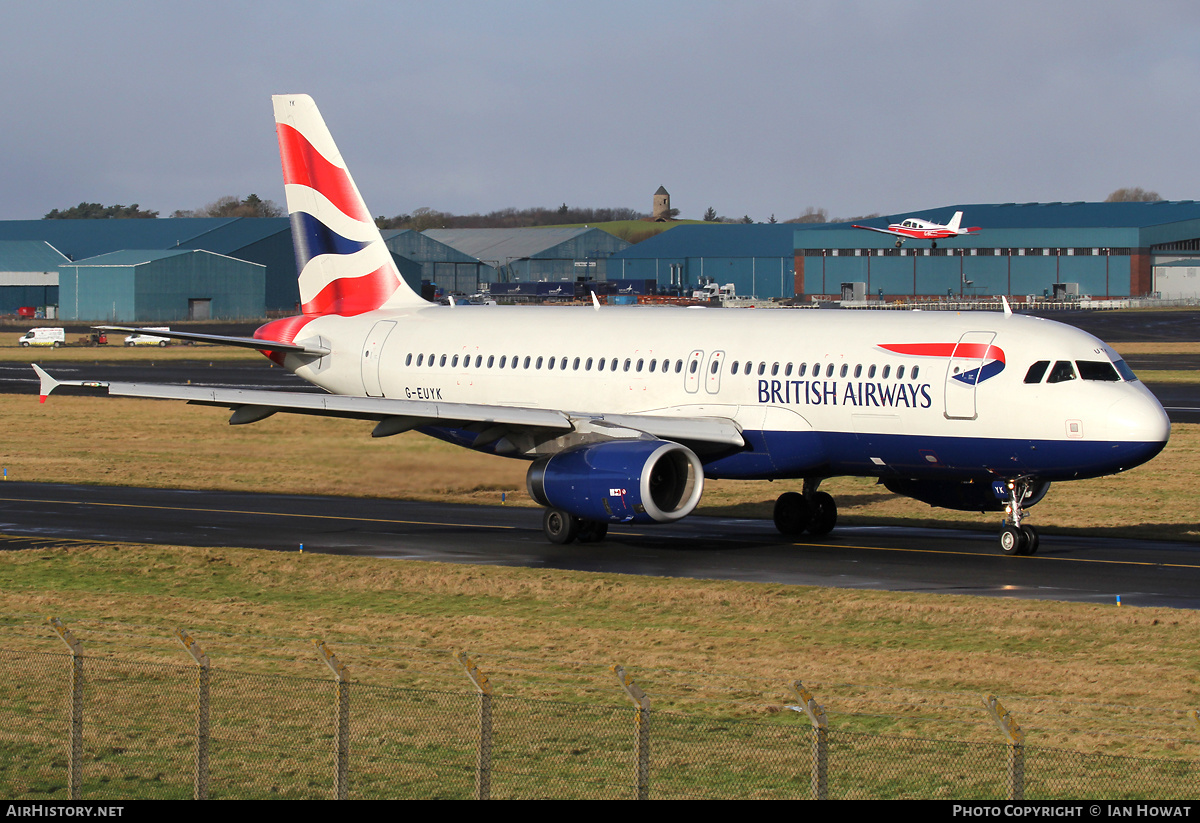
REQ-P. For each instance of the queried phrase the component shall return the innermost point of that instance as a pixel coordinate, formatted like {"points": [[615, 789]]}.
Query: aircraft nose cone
{"points": [[1140, 423]]}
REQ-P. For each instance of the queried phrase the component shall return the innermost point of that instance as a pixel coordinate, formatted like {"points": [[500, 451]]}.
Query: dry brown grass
{"points": [[1157, 347], [877, 660]]}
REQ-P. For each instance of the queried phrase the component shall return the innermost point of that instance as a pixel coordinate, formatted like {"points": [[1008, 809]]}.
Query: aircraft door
{"points": [[372, 350], [691, 371], [712, 372], [962, 373]]}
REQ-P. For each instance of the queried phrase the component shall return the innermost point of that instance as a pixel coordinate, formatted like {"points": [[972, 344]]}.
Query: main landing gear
{"points": [[1017, 537], [813, 512], [563, 527]]}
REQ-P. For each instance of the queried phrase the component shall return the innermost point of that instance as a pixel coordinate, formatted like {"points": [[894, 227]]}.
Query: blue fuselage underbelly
{"points": [[784, 454]]}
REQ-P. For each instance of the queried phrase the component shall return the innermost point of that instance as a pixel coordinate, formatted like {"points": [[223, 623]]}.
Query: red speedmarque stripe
{"points": [[303, 165]]}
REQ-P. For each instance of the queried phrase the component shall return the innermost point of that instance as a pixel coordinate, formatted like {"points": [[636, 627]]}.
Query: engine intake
{"points": [[639, 481]]}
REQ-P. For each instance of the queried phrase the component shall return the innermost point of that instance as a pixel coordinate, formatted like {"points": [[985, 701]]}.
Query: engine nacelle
{"points": [[964, 497], [620, 481]]}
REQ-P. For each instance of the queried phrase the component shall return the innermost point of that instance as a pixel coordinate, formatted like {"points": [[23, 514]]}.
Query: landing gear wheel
{"points": [[899, 243], [1031, 539], [592, 531], [1013, 540], [824, 514], [560, 527], [792, 514], [933, 245]]}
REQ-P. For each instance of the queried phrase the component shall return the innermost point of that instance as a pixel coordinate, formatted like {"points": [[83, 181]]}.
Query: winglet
{"points": [[1007, 308], [49, 384], [595, 302]]}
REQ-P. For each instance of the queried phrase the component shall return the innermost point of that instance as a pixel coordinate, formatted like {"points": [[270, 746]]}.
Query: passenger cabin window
{"points": [[1062, 371], [1037, 371], [1097, 370]]}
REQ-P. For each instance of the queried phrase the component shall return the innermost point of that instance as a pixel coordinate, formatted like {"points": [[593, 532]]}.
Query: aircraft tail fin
{"points": [[955, 221], [344, 266]]}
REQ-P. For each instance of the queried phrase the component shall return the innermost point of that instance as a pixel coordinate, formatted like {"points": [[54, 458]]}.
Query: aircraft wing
{"points": [[868, 228], [394, 416], [221, 340]]}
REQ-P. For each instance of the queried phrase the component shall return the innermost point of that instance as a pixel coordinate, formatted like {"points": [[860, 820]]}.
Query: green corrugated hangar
{"points": [[150, 285], [1102, 250], [265, 241], [533, 254], [28, 274], [421, 258], [758, 259]]}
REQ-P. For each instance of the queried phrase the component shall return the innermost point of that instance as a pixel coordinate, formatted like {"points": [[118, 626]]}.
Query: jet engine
{"points": [[620, 481], [981, 496]]}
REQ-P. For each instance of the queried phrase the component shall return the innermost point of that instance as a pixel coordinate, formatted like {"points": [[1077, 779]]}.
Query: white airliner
{"points": [[623, 412]]}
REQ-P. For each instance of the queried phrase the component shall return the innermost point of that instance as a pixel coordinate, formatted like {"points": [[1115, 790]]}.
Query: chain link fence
{"points": [[75, 726]]}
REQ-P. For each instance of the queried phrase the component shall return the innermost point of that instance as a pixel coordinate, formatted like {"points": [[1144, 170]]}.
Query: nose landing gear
{"points": [[1017, 537]]}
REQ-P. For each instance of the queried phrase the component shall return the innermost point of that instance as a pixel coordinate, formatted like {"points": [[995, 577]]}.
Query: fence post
{"points": [[1016, 746], [75, 728], [483, 766], [342, 733], [641, 705], [200, 782], [819, 780]]}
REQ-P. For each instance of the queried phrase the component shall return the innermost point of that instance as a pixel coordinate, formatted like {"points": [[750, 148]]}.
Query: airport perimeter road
{"points": [[1085, 569]]}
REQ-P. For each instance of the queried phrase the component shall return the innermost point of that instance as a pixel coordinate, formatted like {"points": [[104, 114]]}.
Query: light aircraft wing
{"points": [[394, 416], [868, 228], [221, 340]]}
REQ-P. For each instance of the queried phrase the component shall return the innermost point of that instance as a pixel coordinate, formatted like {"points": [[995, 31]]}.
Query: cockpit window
{"points": [[1097, 370], [1037, 371], [1125, 371], [1062, 371]]}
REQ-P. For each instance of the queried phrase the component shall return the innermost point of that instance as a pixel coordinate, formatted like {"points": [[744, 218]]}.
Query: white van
{"points": [[148, 339], [44, 337]]}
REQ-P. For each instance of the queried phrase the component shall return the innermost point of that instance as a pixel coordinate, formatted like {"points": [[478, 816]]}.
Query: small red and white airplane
{"points": [[914, 228]]}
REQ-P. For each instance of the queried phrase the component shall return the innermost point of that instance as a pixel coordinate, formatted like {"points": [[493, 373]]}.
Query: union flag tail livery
{"points": [[623, 412], [344, 266]]}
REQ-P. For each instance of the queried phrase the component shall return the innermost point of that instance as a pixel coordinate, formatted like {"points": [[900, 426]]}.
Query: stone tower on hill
{"points": [[662, 205]]}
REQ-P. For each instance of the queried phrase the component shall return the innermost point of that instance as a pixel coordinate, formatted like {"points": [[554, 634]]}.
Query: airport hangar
{"points": [[152, 269], [1105, 250]]}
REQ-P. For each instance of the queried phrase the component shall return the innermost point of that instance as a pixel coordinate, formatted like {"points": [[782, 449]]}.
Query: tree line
{"points": [[511, 218]]}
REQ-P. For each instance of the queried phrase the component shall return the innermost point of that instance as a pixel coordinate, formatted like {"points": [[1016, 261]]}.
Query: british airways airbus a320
{"points": [[624, 412]]}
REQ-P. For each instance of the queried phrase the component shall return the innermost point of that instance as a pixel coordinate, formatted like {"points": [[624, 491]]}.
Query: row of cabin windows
{"points": [[664, 367], [505, 362], [1065, 370], [844, 371]]}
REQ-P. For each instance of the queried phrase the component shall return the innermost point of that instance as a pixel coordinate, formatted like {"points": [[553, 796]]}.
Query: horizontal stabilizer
{"points": [[222, 340]]}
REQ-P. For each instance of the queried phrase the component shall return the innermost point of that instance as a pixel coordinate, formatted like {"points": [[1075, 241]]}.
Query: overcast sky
{"points": [[754, 108]]}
